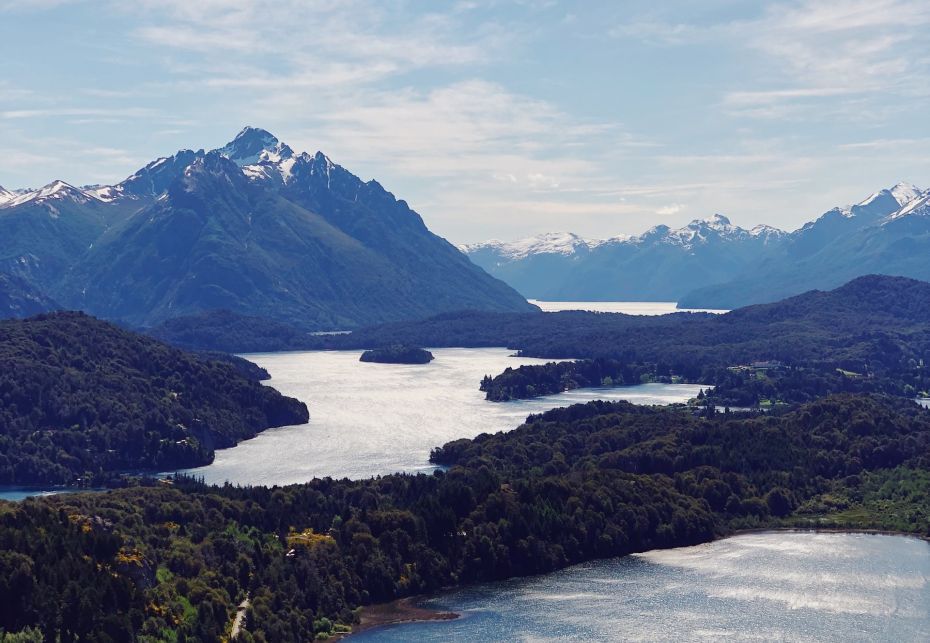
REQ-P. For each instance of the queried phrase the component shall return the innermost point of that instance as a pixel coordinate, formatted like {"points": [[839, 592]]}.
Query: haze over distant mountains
{"points": [[252, 227], [711, 263]]}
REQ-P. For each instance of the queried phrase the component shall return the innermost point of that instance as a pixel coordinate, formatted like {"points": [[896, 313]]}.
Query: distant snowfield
{"points": [[626, 307]]}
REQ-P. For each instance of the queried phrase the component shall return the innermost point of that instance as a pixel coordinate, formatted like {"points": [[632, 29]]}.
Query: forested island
{"points": [[173, 561], [82, 400], [530, 381], [872, 324], [397, 354]]}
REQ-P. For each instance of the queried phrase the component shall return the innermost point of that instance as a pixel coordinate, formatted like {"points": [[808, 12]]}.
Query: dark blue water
{"points": [[774, 586]]}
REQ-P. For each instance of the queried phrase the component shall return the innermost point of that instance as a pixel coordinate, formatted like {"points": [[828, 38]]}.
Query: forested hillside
{"points": [[874, 326], [572, 484], [81, 398]]}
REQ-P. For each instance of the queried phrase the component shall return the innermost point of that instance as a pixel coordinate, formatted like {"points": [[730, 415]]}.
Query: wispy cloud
{"points": [[494, 117], [813, 51], [352, 40], [122, 113]]}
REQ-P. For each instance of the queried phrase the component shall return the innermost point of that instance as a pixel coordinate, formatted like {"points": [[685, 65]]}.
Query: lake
{"points": [[626, 307], [372, 419], [774, 586], [16, 493]]}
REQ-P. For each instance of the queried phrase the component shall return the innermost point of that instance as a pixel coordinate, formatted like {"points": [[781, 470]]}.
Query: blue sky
{"points": [[491, 118]]}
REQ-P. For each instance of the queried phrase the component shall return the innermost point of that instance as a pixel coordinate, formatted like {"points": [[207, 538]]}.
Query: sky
{"points": [[491, 118]]}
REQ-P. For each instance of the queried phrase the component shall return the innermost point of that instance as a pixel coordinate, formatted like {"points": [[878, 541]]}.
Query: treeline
{"points": [[798, 385], [595, 480], [873, 329], [870, 325], [530, 381], [81, 398]]}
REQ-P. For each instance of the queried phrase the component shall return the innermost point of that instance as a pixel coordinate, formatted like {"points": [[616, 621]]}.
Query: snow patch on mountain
{"points": [[105, 193], [561, 243], [918, 206], [697, 232], [253, 146], [54, 191]]}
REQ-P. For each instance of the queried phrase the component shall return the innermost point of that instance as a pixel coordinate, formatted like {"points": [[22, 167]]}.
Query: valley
{"points": [[476, 321]]}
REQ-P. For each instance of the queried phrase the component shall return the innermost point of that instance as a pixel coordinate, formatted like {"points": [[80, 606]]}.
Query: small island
{"points": [[397, 354]]}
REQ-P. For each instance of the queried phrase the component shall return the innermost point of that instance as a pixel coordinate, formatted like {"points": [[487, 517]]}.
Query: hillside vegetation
{"points": [[573, 484], [81, 398]]}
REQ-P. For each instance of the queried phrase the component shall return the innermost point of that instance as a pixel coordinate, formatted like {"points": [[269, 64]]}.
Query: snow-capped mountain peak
{"points": [[903, 193], [697, 232], [562, 243], [261, 155], [254, 146], [55, 191], [767, 232], [919, 205], [5, 195], [716, 221]]}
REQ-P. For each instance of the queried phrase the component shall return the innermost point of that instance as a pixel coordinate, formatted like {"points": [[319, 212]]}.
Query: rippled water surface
{"points": [[371, 419], [776, 586]]}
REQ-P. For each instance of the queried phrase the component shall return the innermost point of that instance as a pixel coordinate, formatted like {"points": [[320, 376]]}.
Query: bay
{"points": [[773, 586]]}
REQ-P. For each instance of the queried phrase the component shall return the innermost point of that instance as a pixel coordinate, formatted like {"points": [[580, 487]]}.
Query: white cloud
{"points": [[672, 208]]}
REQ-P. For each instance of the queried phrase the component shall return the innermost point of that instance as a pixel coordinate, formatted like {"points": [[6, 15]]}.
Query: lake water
{"points": [[776, 586], [626, 307], [16, 493], [372, 419]]}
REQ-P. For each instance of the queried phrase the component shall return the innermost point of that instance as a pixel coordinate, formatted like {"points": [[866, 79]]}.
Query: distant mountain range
{"points": [[658, 265], [711, 263], [253, 228]]}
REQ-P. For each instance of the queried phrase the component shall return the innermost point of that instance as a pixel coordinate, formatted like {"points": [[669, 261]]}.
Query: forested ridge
{"points": [[871, 335], [873, 323], [603, 479], [81, 398]]}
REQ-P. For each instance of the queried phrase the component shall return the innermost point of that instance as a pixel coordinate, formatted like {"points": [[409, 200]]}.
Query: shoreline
{"points": [[408, 610], [401, 610]]}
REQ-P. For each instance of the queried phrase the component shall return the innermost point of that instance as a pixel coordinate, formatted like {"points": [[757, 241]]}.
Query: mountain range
{"points": [[253, 228], [711, 263]]}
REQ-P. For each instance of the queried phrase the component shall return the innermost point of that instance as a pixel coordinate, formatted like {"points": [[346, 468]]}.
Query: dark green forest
{"points": [[223, 330], [171, 562], [874, 324], [83, 399], [555, 377], [870, 336], [398, 354]]}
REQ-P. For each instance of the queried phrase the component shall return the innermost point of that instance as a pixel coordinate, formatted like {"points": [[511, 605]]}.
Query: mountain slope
{"points": [[44, 232], [255, 229], [19, 298]]}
